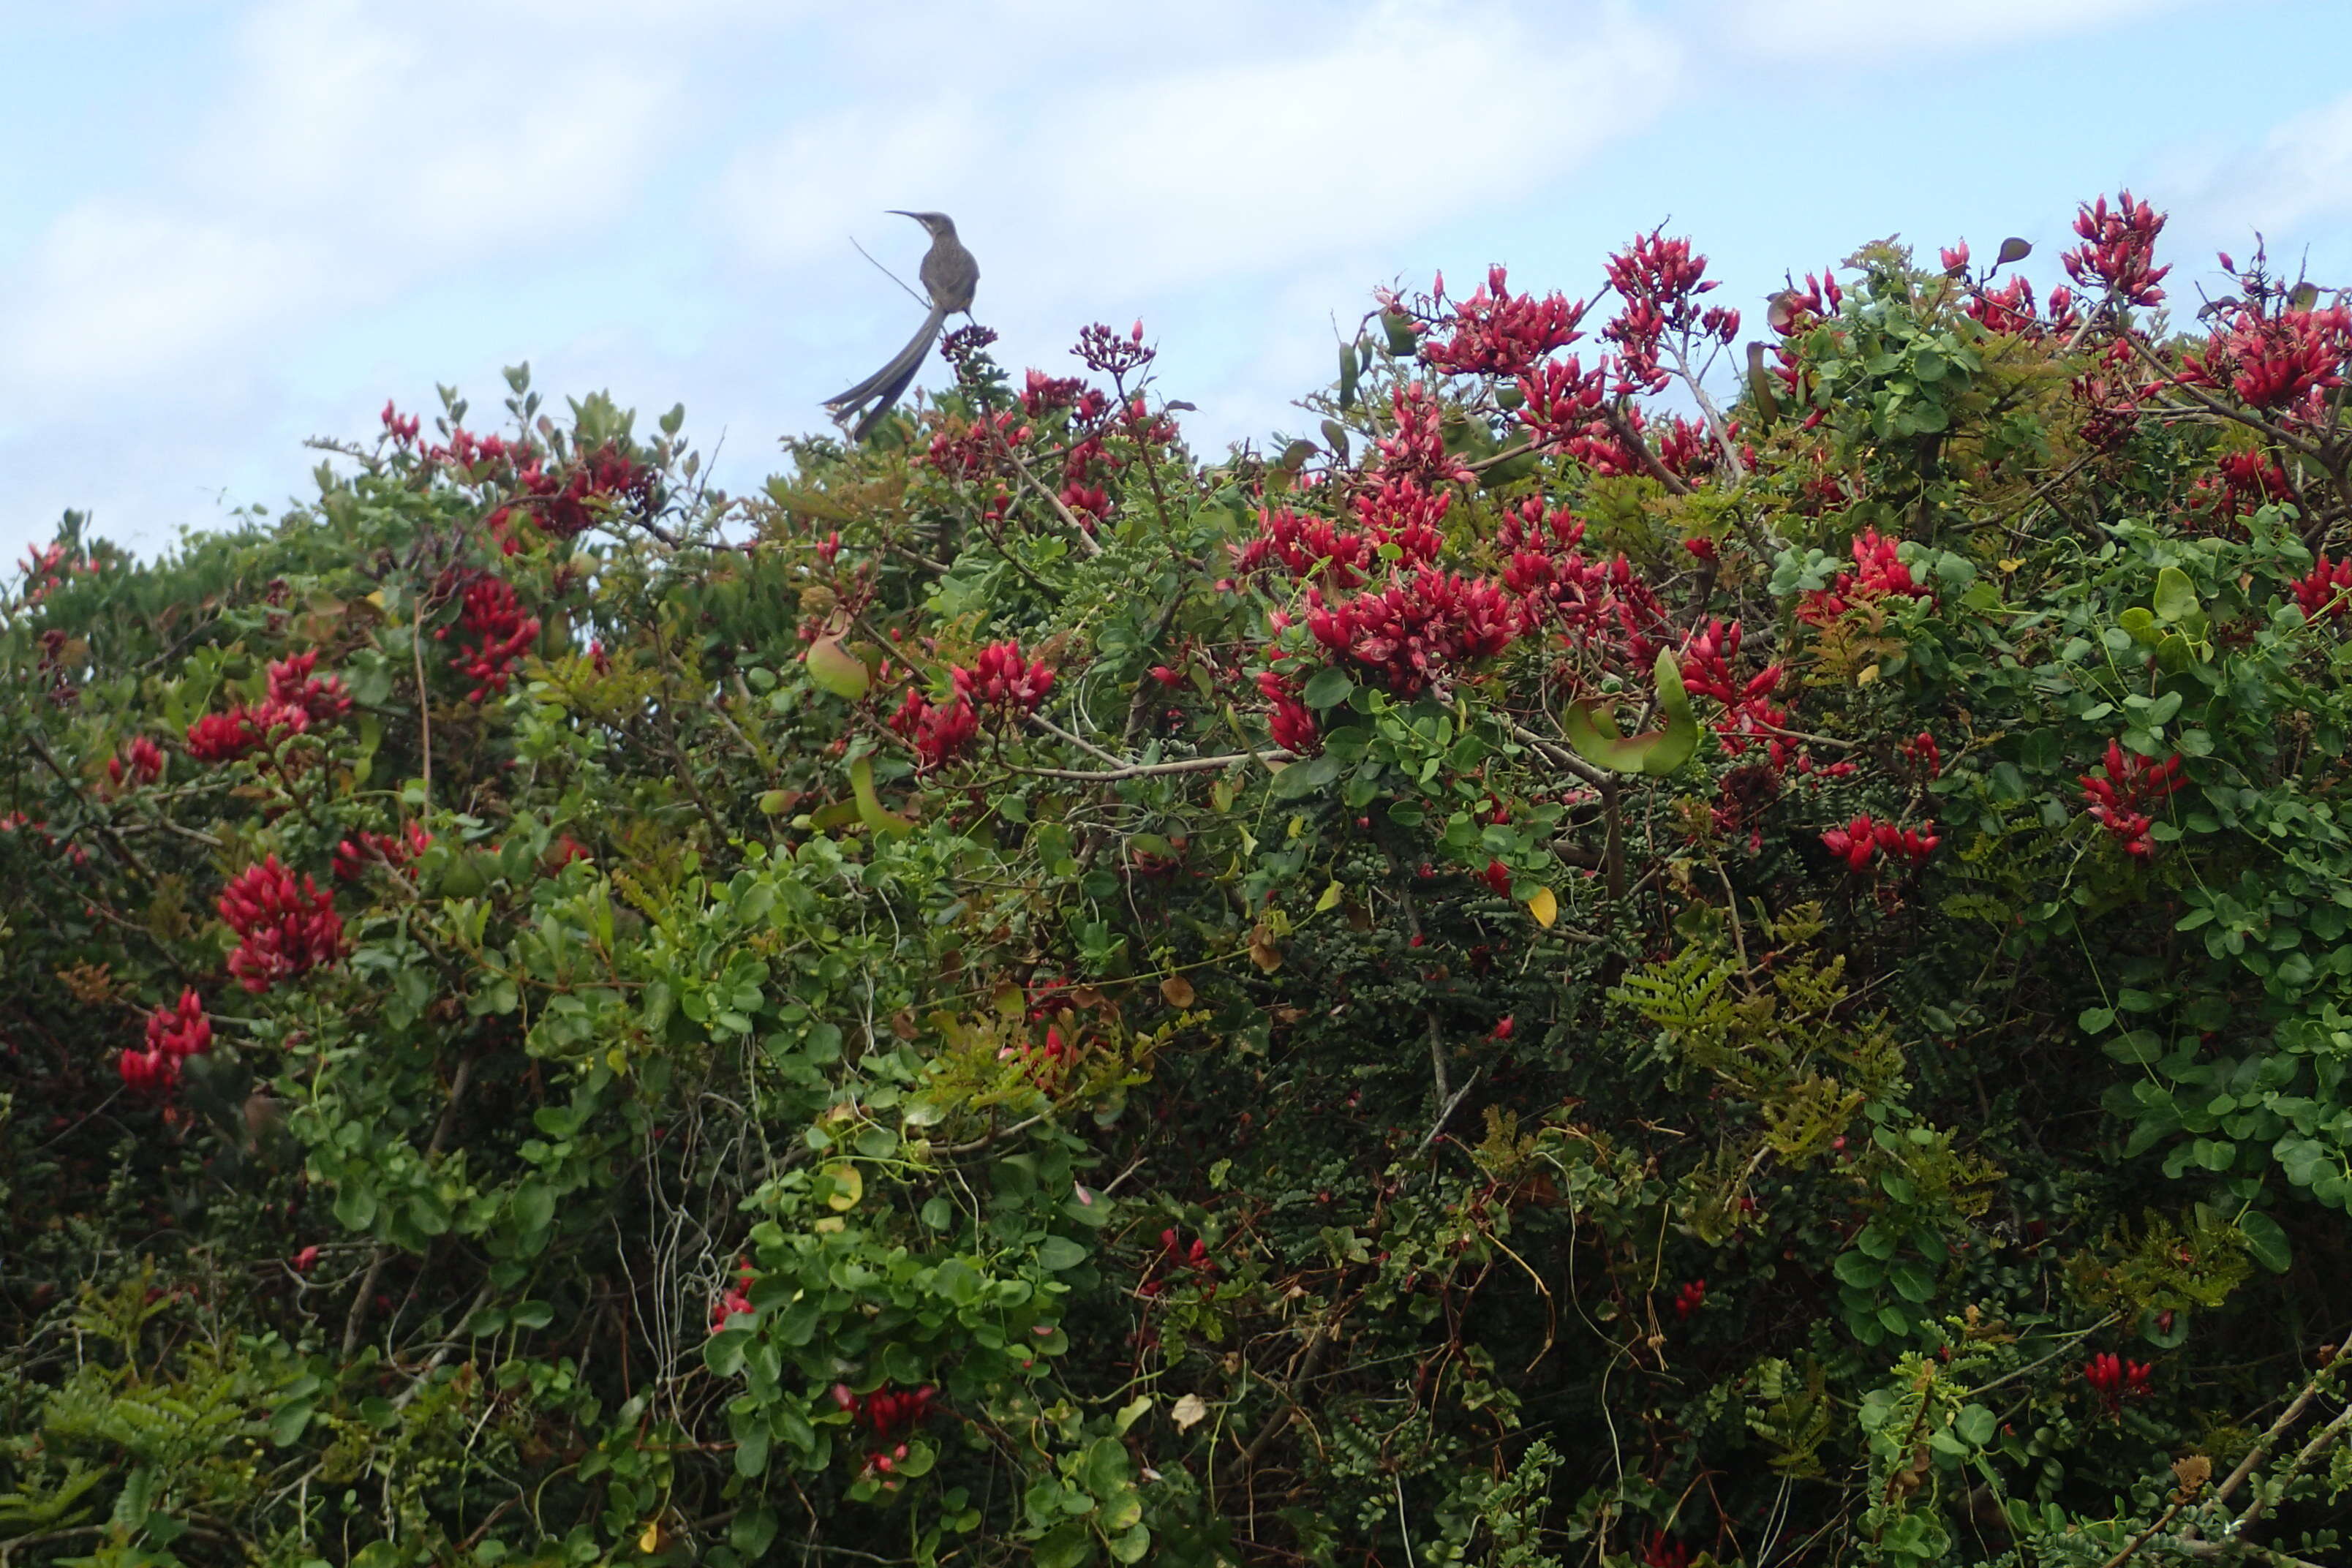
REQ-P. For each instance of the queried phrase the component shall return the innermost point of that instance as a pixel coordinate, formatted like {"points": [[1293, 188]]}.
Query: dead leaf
{"points": [[1176, 992], [1188, 1412], [1262, 950]]}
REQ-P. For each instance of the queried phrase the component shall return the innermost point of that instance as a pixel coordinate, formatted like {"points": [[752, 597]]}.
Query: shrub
{"points": [[1556, 970]]}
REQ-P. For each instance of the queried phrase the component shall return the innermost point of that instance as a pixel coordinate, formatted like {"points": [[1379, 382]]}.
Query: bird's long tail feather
{"points": [[892, 379]]}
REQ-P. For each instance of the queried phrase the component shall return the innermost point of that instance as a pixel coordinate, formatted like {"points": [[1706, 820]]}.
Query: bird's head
{"points": [[937, 224]]}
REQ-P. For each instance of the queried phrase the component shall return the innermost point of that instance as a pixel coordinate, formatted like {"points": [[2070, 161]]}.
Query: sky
{"points": [[226, 227]]}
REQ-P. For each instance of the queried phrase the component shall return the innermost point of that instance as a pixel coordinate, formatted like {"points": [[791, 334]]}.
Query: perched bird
{"points": [[948, 274]]}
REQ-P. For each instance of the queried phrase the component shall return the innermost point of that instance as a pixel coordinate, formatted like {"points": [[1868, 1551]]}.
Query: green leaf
{"points": [[1328, 688], [2266, 1242], [1069, 1545], [1059, 1252], [1305, 778], [1859, 1271], [2176, 596], [2096, 1020], [1975, 1426], [1106, 1468]]}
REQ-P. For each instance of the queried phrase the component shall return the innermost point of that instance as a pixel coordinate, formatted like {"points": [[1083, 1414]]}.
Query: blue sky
{"points": [[226, 227]]}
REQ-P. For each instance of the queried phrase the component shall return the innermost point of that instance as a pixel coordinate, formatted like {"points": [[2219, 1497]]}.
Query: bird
{"points": [[948, 274]]}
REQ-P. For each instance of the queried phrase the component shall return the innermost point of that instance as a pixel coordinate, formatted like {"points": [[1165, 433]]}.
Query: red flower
{"points": [[306, 1259], [226, 737], [1879, 574], [2120, 802], [1859, 842], [1288, 720], [142, 761], [2116, 1379], [354, 856], [2117, 250], [495, 616], [1497, 333], [292, 687], [1497, 877], [282, 930], [1501, 1031], [173, 1034], [1690, 1299], [735, 1300], [997, 679], [938, 734], [2325, 589]]}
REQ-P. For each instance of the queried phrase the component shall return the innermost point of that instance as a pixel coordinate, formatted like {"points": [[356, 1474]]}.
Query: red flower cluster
{"points": [[1660, 281], [1174, 1255], [299, 698], [493, 615], [173, 1034], [1861, 840], [2007, 309], [968, 450], [401, 428], [142, 761], [735, 1300], [938, 734], [1416, 449], [2286, 360], [2116, 1379], [2119, 248], [2121, 801], [1102, 348], [282, 930], [1690, 1298], [1288, 720], [997, 679], [355, 854], [2325, 589], [1047, 1063], [1399, 512], [226, 737], [575, 497], [1561, 403], [1497, 333], [1047, 394], [1749, 711], [2241, 482], [1878, 574], [1923, 754], [1419, 627], [1664, 1551]]}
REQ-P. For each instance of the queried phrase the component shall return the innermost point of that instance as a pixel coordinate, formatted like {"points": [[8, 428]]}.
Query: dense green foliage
{"points": [[1523, 980]]}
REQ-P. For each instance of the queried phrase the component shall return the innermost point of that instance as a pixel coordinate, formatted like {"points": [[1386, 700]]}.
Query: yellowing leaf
{"points": [[2011, 563], [836, 669], [849, 1187], [1544, 906], [651, 1541], [1331, 895]]}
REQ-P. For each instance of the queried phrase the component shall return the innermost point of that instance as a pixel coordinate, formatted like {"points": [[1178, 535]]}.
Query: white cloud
{"points": [[1844, 30], [343, 162], [118, 292], [2302, 175]]}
